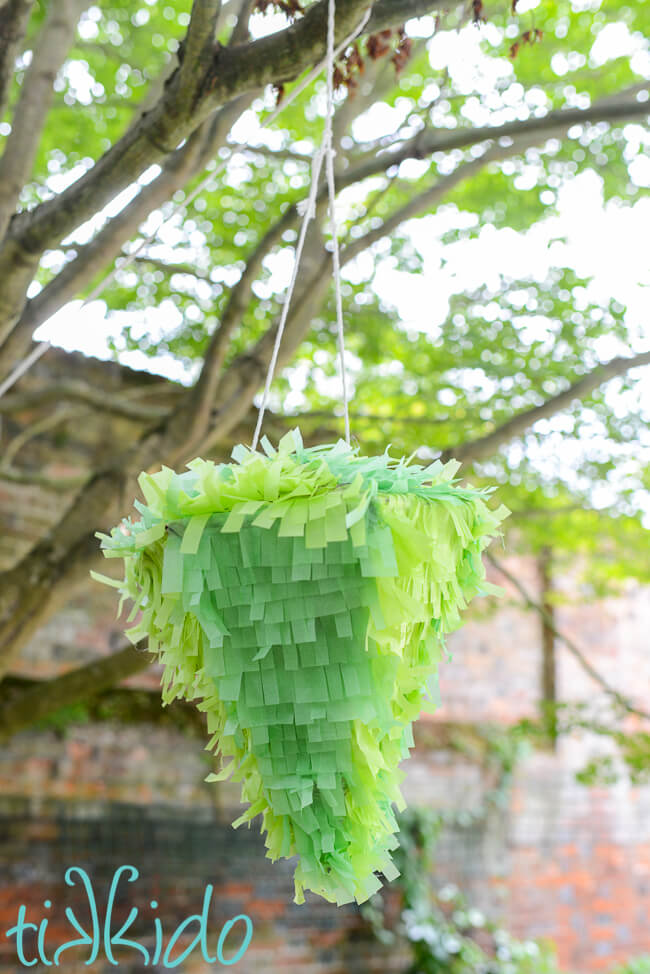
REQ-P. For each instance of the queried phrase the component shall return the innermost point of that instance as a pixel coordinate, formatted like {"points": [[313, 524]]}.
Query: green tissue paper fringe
{"points": [[301, 597]]}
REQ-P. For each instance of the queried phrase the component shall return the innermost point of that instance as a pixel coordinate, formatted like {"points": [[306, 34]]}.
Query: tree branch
{"points": [[429, 140], [77, 391], [240, 33], [417, 204], [14, 17], [74, 686], [173, 267], [80, 684], [34, 103], [392, 13], [263, 150], [93, 257], [198, 46], [126, 705], [203, 393], [486, 446], [29, 432], [31, 479], [40, 590], [575, 651]]}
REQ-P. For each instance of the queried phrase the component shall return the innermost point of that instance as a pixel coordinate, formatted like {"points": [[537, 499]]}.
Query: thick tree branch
{"points": [[201, 33], [487, 446], [14, 17], [46, 698], [74, 390], [31, 479], [40, 590], [34, 103], [44, 424], [120, 704]]}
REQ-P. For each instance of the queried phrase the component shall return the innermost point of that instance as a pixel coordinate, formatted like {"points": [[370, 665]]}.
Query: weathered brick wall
{"points": [[177, 853], [561, 861], [577, 864]]}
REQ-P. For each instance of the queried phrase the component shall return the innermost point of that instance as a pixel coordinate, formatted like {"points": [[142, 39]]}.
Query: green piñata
{"points": [[301, 597]]}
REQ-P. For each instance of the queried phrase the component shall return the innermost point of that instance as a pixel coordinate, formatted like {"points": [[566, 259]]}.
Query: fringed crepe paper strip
{"points": [[301, 596]]}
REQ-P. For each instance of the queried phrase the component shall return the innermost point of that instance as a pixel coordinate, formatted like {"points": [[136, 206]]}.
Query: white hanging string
{"points": [[336, 263], [326, 151], [40, 349], [309, 211]]}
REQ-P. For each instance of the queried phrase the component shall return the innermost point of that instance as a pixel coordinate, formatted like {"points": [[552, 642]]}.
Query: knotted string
{"points": [[326, 151]]}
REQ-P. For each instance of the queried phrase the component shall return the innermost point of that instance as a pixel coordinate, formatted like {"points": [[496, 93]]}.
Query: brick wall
{"points": [[177, 853], [561, 861]]}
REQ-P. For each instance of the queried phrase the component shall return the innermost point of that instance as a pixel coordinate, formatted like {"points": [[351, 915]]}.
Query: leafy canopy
{"points": [[504, 346]]}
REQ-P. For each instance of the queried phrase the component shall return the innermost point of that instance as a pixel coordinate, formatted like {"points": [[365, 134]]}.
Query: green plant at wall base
{"points": [[639, 966], [444, 932]]}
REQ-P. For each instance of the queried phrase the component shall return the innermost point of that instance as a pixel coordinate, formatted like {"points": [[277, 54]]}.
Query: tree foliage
{"points": [[449, 133]]}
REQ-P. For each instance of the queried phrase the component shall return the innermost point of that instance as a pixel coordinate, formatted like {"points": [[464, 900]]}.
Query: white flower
{"points": [[448, 892], [451, 944], [475, 917]]}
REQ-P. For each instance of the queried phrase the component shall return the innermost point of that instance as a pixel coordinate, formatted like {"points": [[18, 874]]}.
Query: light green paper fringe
{"points": [[301, 597]]}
